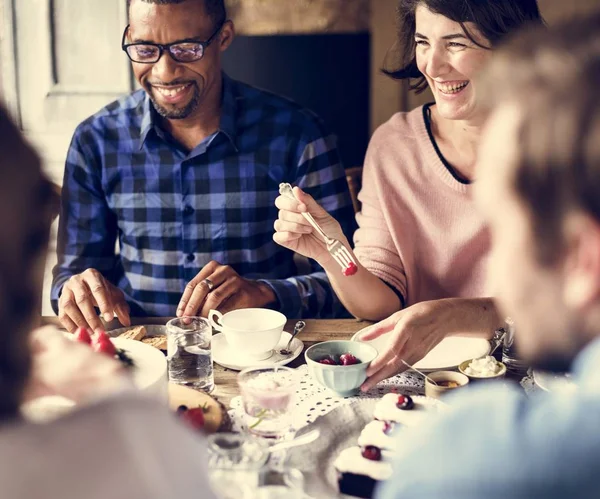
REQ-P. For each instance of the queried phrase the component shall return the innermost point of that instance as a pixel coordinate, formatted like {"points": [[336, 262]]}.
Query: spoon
{"points": [[421, 373], [297, 328], [307, 438]]}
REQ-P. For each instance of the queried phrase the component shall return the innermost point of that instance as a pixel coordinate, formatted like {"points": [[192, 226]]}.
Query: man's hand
{"points": [[219, 287], [81, 293], [71, 369], [415, 330]]}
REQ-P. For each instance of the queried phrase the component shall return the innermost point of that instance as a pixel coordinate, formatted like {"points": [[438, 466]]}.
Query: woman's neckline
{"points": [[455, 174]]}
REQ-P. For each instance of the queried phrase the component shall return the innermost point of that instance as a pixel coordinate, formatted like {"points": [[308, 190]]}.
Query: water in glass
{"points": [[510, 356], [189, 353]]}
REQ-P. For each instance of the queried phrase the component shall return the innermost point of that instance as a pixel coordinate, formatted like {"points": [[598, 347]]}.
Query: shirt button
{"points": [[190, 257], [188, 210]]}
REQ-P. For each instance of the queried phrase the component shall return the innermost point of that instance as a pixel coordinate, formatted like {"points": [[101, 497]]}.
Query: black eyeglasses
{"points": [[189, 50]]}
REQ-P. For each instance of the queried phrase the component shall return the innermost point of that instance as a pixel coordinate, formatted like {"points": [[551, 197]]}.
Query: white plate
{"points": [[227, 357], [448, 354], [558, 383]]}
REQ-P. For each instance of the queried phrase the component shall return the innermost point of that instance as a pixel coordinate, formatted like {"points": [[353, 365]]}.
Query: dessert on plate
{"points": [[140, 333], [360, 469], [380, 434], [404, 409], [148, 368]]}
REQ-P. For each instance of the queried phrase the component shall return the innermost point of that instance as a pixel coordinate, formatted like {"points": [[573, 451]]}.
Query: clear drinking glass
{"points": [[268, 396], [189, 354], [287, 483], [510, 356], [235, 464]]}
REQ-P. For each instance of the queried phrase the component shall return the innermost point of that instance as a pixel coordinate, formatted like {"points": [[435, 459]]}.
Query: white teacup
{"points": [[251, 332]]}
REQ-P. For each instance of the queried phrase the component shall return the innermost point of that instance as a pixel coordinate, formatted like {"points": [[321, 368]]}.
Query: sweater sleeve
{"points": [[373, 241]]}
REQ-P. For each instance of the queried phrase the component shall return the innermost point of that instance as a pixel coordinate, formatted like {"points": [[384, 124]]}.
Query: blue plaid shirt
{"points": [[172, 211]]}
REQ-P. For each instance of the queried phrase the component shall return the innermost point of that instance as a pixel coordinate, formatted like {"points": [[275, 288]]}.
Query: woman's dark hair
{"points": [[493, 18], [26, 199]]}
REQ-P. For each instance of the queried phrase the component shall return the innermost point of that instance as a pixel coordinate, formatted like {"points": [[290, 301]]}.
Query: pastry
{"points": [[379, 434], [404, 409], [159, 342], [134, 333], [361, 469]]}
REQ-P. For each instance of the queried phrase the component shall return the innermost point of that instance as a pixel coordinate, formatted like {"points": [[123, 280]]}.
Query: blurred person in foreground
{"points": [[119, 444], [539, 189]]}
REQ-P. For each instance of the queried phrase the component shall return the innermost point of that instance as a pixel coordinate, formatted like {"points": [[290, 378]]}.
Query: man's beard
{"points": [[178, 113]]}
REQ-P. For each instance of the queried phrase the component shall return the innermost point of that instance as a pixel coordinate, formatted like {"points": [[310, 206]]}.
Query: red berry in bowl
{"points": [[328, 361], [351, 269], [405, 402], [347, 359], [371, 453]]}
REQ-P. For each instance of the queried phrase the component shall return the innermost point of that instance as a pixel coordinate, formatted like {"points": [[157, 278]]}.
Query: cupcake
{"points": [[404, 409], [360, 469], [379, 434]]}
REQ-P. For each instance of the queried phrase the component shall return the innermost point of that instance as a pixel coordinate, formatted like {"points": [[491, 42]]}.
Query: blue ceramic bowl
{"points": [[343, 380]]}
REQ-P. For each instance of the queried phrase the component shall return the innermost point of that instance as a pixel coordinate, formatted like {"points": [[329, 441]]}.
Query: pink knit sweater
{"points": [[419, 230]]}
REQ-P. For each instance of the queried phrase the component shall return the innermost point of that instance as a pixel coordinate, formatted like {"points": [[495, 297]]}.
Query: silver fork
{"points": [[336, 249]]}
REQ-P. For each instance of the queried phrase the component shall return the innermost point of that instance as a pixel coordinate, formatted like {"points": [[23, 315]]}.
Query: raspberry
{"points": [[351, 269], [347, 359]]}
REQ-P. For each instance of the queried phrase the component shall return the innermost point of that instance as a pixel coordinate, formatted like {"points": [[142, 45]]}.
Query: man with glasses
{"points": [[183, 173]]}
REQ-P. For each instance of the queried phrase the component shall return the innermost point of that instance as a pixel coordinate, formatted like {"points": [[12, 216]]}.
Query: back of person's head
{"points": [[539, 185], [494, 19], [555, 75], [25, 214]]}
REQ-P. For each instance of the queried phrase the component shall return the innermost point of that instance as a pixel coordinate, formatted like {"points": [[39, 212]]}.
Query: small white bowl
{"points": [[345, 381], [500, 374]]}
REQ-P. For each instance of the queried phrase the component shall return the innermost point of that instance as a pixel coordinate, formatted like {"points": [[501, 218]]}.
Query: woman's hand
{"points": [[71, 369], [294, 232], [416, 330]]}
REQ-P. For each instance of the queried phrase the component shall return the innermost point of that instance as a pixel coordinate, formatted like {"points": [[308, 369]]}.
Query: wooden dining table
{"points": [[226, 387]]}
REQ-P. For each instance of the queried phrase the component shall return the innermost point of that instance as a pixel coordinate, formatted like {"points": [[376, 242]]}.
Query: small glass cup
{"points": [[268, 396], [189, 353], [235, 464], [287, 483], [510, 356]]}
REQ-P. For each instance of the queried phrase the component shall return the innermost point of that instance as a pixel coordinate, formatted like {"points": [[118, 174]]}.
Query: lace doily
{"points": [[528, 384], [314, 400]]}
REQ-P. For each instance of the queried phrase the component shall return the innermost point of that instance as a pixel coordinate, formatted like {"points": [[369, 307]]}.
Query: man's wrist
{"points": [[269, 298]]}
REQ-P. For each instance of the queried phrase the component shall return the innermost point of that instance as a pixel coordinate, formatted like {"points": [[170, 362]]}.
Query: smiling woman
{"points": [[421, 243], [492, 21]]}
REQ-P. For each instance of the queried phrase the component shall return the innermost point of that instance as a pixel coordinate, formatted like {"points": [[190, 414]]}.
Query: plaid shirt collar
{"points": [[227, 124]]}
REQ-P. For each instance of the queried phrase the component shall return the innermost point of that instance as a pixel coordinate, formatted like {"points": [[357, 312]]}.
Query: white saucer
{"points": [[225, 356], [558, 383]]}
